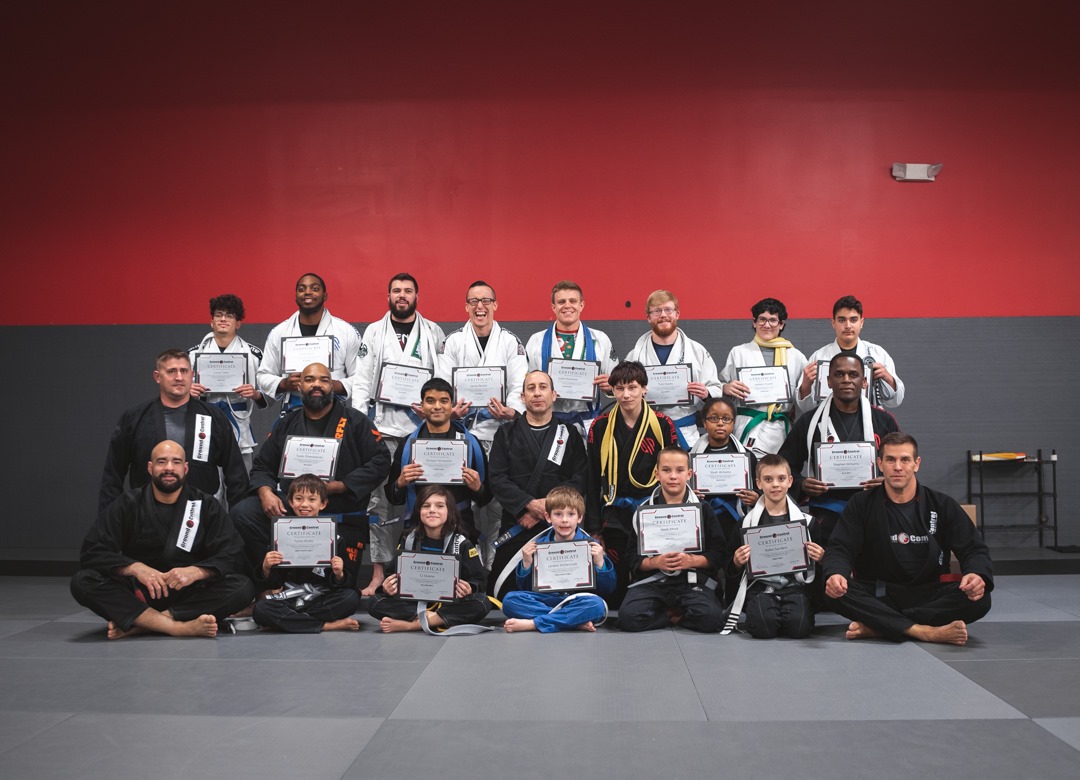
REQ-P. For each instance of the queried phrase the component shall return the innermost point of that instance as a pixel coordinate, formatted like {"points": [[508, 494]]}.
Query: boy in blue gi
{"points": [[306, 601], [549, 612]]}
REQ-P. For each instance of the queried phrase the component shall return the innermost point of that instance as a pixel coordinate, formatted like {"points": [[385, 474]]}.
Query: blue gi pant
{"points": [[537, 607]]}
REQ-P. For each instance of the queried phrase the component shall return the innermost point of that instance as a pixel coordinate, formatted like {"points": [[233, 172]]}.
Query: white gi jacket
{"points": [[462, 349], [380, 345], [602, 348], [889, 398], [703, 369], [237, 409], [767, 436], [346, 351]]}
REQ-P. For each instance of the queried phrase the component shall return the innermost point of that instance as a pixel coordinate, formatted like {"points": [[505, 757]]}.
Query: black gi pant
{"points": [[783, 612], [646, 606], [123, 599], [615, 536], [902, 606], [471, 609], [284, 616]]}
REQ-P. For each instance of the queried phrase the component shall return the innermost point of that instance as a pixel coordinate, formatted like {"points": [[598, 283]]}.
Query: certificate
{"points": [[427, 576], [221, 372], [309, 455], [845, 464], [400, 385], [304, 541], [776, 549], [479, 384], [720, 473], [669, 528], [821, 386], [667, 384], [299, 352], [768, 384], [442, 459], [573, 379], [560, 566]]}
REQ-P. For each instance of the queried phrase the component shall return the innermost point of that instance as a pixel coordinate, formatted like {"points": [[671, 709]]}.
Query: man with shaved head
{"points": [[163, 558], [362, 462]]}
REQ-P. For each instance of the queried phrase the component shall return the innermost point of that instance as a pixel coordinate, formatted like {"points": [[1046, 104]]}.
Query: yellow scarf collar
{"points": [[781, 345]]}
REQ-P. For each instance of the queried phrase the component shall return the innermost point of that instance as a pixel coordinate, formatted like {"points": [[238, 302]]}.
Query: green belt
{"points": [[757, 417]]}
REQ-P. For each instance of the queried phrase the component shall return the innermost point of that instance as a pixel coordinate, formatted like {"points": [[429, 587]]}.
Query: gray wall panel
{"points": [[969, 385]]}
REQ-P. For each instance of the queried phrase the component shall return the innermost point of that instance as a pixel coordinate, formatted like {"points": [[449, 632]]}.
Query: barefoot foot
{"points": [[954, 633], [114, 632], [345, 624], [203, 625], [859, 631], [586, 627], [391, 626], [517, 625]]}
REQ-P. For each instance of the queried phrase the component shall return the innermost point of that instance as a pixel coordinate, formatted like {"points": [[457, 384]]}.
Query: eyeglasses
{"points": [[767, 322], [477, 301], [667, 310], [223, 315], [715, 419]]}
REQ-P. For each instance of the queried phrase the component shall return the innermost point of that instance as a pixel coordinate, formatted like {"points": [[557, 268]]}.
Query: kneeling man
{"points": [[898, 538], [163, 558]]}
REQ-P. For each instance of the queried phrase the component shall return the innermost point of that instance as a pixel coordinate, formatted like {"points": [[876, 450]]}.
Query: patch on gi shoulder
{"points": [[362, 352], [473, 552]]}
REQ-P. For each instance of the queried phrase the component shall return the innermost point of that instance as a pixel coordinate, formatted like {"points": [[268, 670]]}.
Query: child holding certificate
{"points": [[718, 418], [439, 531], [306, 601], [776, 604], [674, 587], [550, 611]]}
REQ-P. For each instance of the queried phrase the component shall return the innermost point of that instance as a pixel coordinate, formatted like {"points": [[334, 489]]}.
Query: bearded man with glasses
{"points": [[666, 345]]}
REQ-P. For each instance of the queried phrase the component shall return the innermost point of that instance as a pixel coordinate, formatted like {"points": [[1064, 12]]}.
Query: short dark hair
{"points": [[566, 284], [309, 483], [230, 304], [172, 354], [896, 439], [323, 283], [453, 516], [713, 400], [772, 460], [843, 356], [436, 384], [772, 306], [847, 302], [673, 449], [403, 277], [481, 283], [628, 371]]}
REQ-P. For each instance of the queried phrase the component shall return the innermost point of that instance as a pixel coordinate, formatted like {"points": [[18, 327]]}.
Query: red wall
{"points": [[154, 155]]}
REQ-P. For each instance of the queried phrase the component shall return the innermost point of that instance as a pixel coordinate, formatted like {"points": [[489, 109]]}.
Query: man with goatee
{"points": [[163, 558], [361, 465]]}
